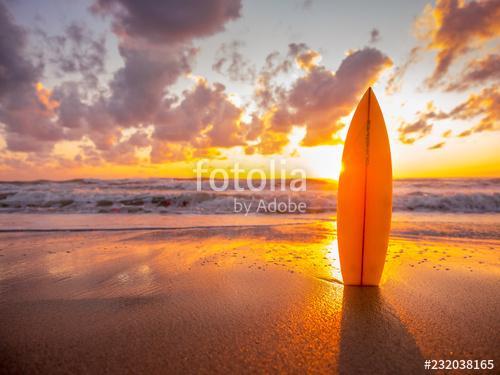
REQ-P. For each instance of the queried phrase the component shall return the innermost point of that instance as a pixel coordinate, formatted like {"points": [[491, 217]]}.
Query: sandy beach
{"points": [[241, 298]]}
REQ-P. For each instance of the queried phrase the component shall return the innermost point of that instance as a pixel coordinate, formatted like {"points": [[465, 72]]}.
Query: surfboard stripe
{"points": [[367, 155]]}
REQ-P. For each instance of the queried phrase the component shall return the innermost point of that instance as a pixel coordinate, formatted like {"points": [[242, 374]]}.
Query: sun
{"points": [[323, 161]]}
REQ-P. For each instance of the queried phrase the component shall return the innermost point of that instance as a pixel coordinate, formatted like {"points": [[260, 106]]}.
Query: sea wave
{"points": [[182, 196]]}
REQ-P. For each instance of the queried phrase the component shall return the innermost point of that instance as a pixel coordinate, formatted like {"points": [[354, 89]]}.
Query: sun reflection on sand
{"points": [[333, 255]]}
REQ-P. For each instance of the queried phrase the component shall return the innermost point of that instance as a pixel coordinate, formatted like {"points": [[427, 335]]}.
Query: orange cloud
{"points": [[436, 146], [411, 132], [454, 27], [484, 105], [45, 98], [320, 98]]}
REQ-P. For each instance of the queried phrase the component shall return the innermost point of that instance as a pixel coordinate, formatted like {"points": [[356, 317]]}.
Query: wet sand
{"points": [[240, 299]]}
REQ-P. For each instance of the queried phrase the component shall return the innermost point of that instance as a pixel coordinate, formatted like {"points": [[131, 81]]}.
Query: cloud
{"points": [[374, 35], [271, 142], [231, 62], [482, 107], [411, 132], [465, 133], [170, 20], [316, 100], [136, 112], [25, 107], [320, 98], [138, 89], [446, 134], [267, 93], [16, 72], [254, 128], [305, 57], [454, 27], [479, 71], [77, 51], [205, 117], [125, 151], [436, 146], [396, 78], [155, 43], [485, 105], [307, 4]]}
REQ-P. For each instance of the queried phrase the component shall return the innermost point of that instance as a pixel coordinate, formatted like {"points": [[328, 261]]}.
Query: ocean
{"points": [[450, 208], [181, 196]]}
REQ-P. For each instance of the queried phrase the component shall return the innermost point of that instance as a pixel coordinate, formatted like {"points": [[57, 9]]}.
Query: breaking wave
{"points": [[181, 196]]}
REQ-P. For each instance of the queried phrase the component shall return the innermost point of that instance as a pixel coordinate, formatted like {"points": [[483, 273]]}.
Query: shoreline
{"points": [[414, 225]]}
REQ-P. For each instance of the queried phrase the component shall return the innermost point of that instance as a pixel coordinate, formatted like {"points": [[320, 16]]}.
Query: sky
{"points": [[125, 89]]}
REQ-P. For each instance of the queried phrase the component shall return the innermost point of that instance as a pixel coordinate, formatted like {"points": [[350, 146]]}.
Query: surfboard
{"points": [[364, 200]]}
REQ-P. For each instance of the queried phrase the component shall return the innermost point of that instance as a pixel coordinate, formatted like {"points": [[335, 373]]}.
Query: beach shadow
{"points": [[372, 339]]}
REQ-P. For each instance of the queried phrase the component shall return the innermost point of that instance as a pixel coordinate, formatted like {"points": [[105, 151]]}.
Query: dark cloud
{"points": [[454, 27], [139, 139], [169, 20], [268, 93], [204, 116], [25, 106], [230, 62], [307, 4], [155, 42], [77, 51], [16, 72], [138, 89], [36, 118], [374, 35]]}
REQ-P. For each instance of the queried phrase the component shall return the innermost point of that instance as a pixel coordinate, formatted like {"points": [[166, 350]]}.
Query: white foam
{"points": [[180, 196]]}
